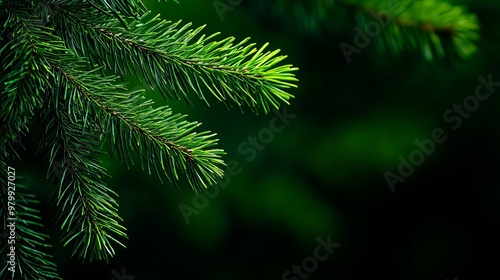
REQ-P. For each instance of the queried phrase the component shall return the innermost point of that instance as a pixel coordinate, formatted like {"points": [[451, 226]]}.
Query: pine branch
{"points": [[31, 262], [25, 38], [51, 80], [435, 29], [165, 142], [87, 212], [175, 60]]}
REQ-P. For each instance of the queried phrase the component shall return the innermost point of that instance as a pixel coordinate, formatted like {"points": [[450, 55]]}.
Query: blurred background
{"points": [[322, 175]]}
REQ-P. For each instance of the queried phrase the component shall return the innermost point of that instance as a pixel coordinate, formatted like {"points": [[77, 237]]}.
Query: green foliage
{"points": [[61, 65], [435, 29], [245, 76], [33, 262]]}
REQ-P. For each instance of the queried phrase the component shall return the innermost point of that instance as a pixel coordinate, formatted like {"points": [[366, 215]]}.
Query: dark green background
{"points": [[323, 175]]}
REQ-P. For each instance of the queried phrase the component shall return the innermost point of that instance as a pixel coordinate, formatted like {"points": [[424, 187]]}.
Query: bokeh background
{"points": [[323, 175]]}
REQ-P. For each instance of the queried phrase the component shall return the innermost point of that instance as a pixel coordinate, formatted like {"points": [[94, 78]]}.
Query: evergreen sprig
{"points": [[87, 211], [165, 142], [62, 62], [31, 259], [179, 59], [435, 29]]}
